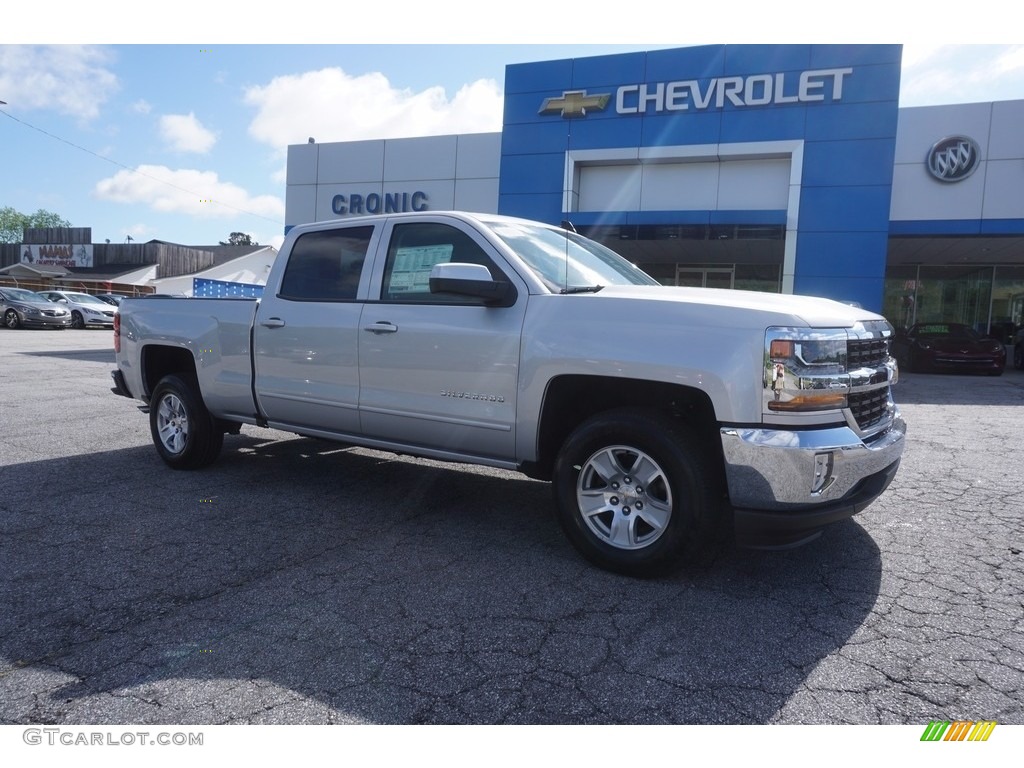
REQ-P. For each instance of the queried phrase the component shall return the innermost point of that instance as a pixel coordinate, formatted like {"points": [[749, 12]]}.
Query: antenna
{"points": [[567, 196]]}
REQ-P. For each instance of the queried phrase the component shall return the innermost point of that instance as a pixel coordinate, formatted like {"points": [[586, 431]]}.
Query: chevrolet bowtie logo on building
{"points": [[954, 158], [574, 103]]}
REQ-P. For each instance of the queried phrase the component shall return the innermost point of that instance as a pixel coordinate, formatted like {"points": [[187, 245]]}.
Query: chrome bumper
{"points": [[785, 485]]}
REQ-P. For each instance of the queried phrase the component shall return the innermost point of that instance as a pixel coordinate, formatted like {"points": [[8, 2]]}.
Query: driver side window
{"points": [[412, 254]]}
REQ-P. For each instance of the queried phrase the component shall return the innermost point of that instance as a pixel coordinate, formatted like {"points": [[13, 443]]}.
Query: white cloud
{"points": [[139, 232], [184, 133], [956, 74], [70, 79], [192, 192], [142, 106], [331, 105]]}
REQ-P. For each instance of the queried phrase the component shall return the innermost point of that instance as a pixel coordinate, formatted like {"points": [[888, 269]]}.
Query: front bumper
{"points": [[45, 321], [785, 486]]}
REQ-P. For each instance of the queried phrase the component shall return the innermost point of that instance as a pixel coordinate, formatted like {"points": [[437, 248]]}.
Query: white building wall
{"points": [[442, 172], [252, 268], [991, 192]]}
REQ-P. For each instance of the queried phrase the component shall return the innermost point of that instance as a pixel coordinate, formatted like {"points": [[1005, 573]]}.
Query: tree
{"points": [[239, 238], [14, 223]]}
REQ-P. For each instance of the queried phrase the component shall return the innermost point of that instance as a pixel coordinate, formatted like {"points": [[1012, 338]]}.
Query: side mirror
{"points": [[471, 280]]}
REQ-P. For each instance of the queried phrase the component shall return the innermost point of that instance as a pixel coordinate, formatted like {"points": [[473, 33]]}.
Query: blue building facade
{"points": [[673, 153]]}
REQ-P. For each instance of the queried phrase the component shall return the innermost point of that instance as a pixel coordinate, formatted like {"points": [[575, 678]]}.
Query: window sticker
{"points": [[411, 272]]}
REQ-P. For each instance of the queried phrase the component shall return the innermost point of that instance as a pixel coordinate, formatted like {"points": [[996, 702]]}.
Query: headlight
{"points": [[805, 370], [27, 310], [91, 311]]}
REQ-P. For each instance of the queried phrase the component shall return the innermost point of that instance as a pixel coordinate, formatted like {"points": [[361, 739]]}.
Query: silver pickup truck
{"points": [[663, 416]]}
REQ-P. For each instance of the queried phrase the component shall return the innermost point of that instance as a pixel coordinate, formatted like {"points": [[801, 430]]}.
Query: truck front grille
{"points": [[867, 353], [869, 408]]}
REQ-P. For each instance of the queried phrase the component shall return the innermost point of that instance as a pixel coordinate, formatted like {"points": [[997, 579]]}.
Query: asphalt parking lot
{"points": [[297, 581]]}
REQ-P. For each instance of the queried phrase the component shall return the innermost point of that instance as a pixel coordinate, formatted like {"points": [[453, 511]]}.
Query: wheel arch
{"points": [[570, 400], [159, 360]]}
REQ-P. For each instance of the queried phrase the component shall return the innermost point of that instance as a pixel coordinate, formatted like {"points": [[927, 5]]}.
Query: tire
{"points": [[77, 321], [184, 433], [11, 320], [636, 492]]}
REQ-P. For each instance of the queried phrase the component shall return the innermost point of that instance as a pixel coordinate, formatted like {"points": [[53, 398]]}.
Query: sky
{"points": [[139, 130]]}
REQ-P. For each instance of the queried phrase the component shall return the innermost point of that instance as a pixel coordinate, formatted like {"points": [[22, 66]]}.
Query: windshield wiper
{"points": [[582, 289]]}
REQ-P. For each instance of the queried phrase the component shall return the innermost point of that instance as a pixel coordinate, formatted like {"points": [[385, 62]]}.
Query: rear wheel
{"points": [[11, 319], [635, 491], [184, 433]]}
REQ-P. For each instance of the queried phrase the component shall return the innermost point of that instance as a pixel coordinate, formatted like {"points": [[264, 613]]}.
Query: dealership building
{"points": [[785, 168]]}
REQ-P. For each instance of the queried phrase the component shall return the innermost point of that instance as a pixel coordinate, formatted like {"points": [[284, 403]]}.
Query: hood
{"points": [[36, 304], [789, 309], [961, 345]]}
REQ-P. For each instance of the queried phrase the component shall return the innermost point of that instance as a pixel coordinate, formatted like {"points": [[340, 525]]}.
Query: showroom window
{"points": [[989, 299]]}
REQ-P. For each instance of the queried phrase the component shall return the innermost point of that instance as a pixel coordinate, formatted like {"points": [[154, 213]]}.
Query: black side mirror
{"points": [[471, 280]]}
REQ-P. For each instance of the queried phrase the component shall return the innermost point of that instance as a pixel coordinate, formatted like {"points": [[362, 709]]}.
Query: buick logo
{"points": [[954, 158]]}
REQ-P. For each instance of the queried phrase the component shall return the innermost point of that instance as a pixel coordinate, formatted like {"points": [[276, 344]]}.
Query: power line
{"points": [[130, 169]]}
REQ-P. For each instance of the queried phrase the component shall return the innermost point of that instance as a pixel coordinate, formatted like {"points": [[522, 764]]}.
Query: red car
{"points": [[948, 347]]}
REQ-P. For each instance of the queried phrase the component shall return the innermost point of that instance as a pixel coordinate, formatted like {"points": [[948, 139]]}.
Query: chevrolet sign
{"points": [[678, 95], [574, 104]]}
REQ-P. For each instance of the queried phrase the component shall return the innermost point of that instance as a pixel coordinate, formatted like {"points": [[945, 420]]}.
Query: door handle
{"points": [[381, 326], [273, 322]]}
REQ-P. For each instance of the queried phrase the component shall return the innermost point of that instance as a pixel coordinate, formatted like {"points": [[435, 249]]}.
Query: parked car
{"points": [[948, 347], [26, 308], [85, 309], [110, 298]]}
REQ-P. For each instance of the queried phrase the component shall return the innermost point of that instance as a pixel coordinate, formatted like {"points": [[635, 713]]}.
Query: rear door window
{"points": [[326, 265]]}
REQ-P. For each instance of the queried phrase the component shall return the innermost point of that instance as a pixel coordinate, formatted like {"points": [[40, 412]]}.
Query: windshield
{"points": [[20, 294], [85, 298], [948, 330], [565, 261]]}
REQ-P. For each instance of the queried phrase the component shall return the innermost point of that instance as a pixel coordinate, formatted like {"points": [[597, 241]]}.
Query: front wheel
{"points": [[11, 319], [635, 491], [184, 433]]}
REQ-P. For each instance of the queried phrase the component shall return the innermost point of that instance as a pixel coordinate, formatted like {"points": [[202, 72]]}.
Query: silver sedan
{"points": [[20, 308], [85, 309]]}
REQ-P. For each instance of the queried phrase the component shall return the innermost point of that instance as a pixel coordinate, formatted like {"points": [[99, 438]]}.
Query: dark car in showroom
{"points": [[947, 347]]}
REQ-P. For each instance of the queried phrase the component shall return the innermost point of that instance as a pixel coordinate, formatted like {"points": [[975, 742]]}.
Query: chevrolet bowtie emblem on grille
{"points": [[574, 103]]}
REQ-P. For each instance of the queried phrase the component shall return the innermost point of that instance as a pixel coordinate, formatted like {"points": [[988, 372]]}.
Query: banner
{"points": [[57, 254], [203, 288]]}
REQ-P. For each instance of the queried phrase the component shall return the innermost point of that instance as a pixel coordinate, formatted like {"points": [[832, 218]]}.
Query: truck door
{"points": [[306, 335], [439, 370]]}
